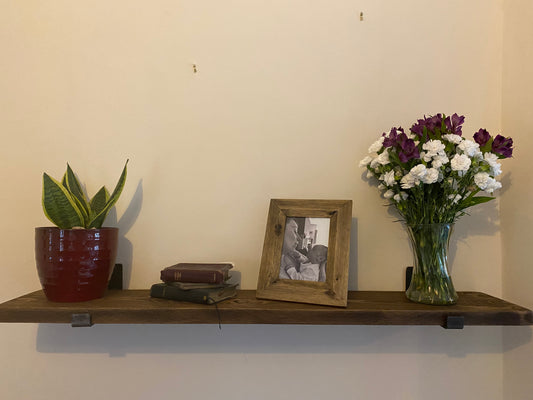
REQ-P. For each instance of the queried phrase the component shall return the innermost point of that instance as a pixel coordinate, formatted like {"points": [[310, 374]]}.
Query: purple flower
{"points": [[454, 123], [392, 139], [428, 122], [503, 146], [418, 129], [400, 142], [408, 149], [434, 122], [482, 137]]}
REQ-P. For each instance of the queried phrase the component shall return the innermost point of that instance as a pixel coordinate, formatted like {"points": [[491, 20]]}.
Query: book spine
{"points": [[193, 276], [173, 293], [220, 266]]}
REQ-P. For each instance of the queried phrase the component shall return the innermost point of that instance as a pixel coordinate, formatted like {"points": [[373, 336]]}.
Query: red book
{"points": [[196, 273]]}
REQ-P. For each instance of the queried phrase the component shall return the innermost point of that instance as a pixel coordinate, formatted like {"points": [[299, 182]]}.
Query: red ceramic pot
{"points": [[75, 264]]}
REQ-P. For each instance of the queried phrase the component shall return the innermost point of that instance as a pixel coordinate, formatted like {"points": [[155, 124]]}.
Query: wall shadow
{"points": [[516, 336], [120, 340], [125, 247]]}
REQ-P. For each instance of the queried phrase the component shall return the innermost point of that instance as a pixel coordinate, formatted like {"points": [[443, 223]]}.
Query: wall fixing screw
{"points": [[194, 69], [361, 16]]}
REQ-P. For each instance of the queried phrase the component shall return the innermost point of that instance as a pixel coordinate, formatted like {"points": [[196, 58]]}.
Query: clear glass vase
{"points": [[430, 282]]}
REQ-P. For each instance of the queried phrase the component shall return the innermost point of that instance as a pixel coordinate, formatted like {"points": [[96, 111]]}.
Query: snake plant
{"points": [[67, 206]]}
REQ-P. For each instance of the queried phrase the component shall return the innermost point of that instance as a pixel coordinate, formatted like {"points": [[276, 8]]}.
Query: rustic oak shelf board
{"points": [[364, 308]]}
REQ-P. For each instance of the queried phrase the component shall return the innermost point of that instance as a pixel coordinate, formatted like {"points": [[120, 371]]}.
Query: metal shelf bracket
{"points": [[81, 320], [116, 281], [454, 322]]}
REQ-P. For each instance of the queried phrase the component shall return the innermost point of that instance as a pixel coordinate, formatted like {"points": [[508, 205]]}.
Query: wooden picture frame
{"points": [[275, 284]]}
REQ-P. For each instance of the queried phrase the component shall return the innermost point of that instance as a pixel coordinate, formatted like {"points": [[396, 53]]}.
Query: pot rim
{"points": [[76, 229]]}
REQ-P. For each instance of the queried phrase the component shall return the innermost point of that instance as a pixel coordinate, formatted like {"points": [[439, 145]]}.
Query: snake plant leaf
{"points": [[74, 187], [99, 201], [59, 205], [98, 220], [81, 207]]}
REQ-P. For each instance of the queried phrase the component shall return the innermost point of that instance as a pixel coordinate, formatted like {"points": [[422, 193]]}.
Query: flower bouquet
{"points": [[431, 175]]}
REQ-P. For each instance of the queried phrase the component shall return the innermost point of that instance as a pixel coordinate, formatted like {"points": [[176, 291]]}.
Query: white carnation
{"points": [[470, 148], [481, 179], [418, 172], [369, 174], [381, 186], [377, 145], [431, 176], [414, 176], [408, 181], [383, 158], [388, 178], [493, 185], [455, 139], [388, 194], [495, 166], [436, 164], [461, 163], [486, 183], [434, 146], [374, 163], [439, 161], [365, 161], [401, 196], [427, 157], [435, 149]]}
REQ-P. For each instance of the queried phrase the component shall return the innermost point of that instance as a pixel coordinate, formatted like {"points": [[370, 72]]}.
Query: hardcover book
{"points": [[196, 273], [203, 296], [194, 285]]}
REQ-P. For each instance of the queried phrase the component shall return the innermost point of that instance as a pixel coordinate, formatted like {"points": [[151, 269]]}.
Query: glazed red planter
{"points": [[75, 264]]}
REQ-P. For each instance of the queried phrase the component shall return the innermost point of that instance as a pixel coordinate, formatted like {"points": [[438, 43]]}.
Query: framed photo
{"points": [[306, 252]]}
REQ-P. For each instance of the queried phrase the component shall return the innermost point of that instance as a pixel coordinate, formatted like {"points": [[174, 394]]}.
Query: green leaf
{"points": [[487, 147], [99, 201], [59, 205], [81, 207], [74, 187], [472, 201], [98, 220]]}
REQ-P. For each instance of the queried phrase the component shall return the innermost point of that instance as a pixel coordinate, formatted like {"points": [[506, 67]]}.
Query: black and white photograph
{"points": [[306, 252], [305, 249]]}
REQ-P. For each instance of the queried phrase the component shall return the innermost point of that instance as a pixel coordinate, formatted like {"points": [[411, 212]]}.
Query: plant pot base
{"points": [[58, 295]]}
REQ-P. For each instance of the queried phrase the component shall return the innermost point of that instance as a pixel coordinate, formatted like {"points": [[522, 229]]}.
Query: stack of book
{"points": [[196, 283]]}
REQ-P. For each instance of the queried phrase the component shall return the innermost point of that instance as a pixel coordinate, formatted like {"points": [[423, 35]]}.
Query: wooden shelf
{"points": [[364, 308]]}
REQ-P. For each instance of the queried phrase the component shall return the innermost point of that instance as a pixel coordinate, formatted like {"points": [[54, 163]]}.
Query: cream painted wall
{"points": [[517, 201], [96, 83]]}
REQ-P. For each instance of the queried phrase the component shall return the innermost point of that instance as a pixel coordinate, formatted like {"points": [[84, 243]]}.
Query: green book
{"points": [[201, 295]]}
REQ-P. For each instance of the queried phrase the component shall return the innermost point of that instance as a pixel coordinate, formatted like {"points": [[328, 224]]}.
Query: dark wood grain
{"points": [[364, 308]]}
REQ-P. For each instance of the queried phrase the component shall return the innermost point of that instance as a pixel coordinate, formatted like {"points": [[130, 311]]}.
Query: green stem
{"points": [[431, 283]]}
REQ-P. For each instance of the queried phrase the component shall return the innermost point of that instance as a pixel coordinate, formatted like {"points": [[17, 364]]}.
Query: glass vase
{"points": [[430, 282]]}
